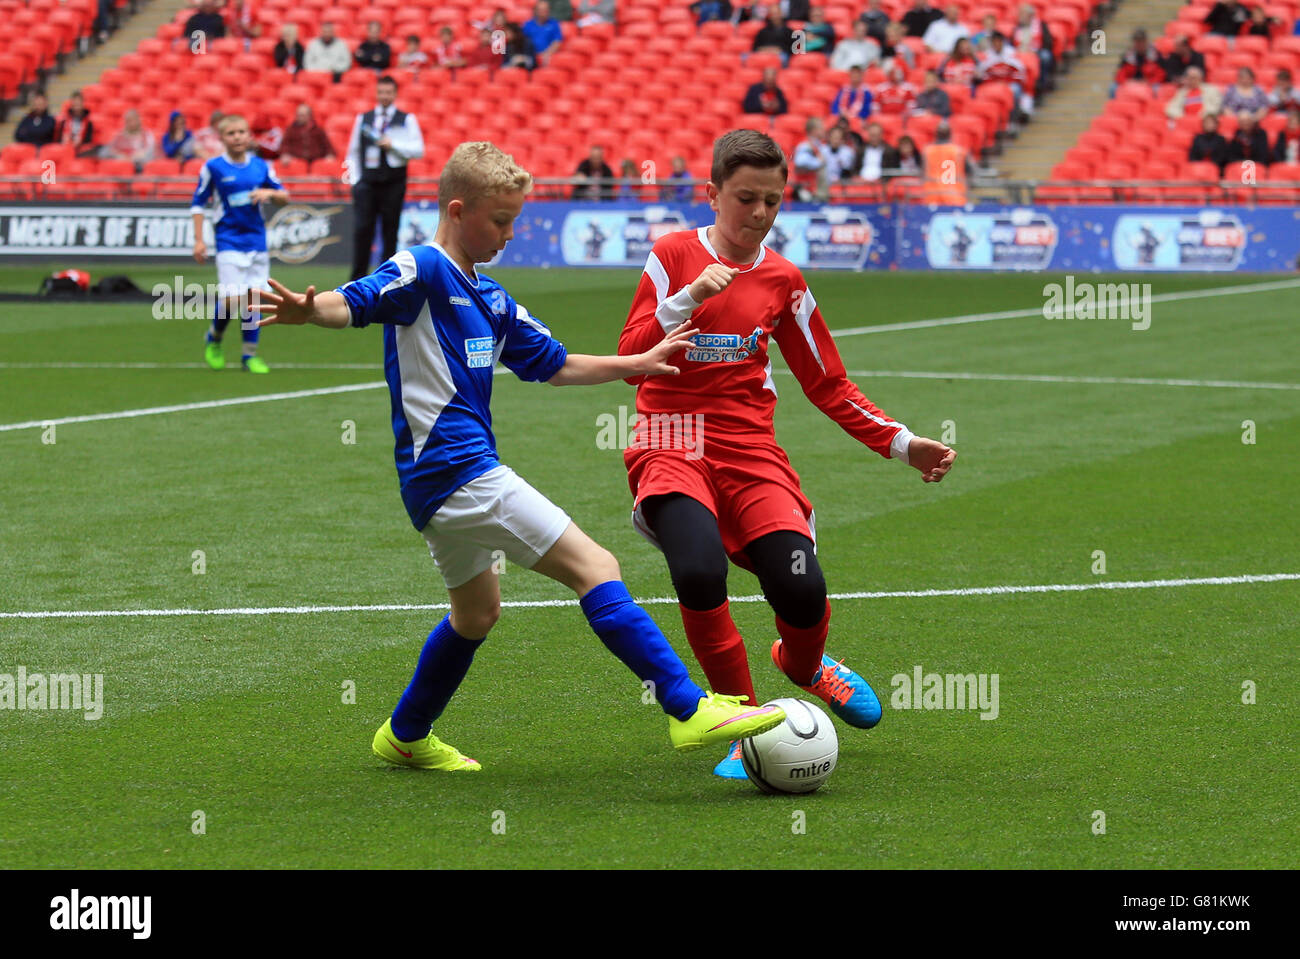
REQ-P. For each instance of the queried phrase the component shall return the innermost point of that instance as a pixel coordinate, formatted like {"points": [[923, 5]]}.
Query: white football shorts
{"points": [[493, 516], [240, 272]]}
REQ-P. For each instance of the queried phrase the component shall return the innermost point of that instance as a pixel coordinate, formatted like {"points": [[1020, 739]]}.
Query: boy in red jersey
{"points": [[731, 493]]}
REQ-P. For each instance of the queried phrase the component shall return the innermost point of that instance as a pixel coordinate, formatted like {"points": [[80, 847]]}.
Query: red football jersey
{"points": [[726, 375]]}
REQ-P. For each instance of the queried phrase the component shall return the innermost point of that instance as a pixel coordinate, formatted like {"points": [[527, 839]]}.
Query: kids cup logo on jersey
{"points": [[1205, 240], [478, 352], [723, 347]]}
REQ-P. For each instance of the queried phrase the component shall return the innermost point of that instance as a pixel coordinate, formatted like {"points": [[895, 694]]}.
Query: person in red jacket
{"points": [[1141, 61], [709, 481]]}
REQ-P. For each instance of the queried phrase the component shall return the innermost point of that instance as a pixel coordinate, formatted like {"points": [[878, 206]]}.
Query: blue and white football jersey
{"points": [[443, 335], [236, 219]]}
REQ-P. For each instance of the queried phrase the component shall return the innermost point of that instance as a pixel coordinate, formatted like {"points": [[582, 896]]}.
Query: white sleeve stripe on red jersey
{"points": [[658, 276], [803, 316], [769, 383], [872, 416]]}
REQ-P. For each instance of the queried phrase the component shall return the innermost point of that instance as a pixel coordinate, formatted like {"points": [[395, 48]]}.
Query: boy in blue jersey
{"points": [[236, 185], [446, 326]]}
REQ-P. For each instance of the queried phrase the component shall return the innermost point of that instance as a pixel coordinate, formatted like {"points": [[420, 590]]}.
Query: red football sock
{"points": [[802, 649], [718, 646]]}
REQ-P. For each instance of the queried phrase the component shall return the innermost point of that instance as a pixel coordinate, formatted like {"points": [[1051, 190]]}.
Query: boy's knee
{"points": [[476, 623]]}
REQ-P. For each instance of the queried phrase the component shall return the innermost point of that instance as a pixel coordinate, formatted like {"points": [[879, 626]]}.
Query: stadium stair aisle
{"points": [[150, 15], [1080, 94]]}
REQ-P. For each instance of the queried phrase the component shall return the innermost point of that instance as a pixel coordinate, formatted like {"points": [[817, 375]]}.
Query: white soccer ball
{"points": [[795, 757]]}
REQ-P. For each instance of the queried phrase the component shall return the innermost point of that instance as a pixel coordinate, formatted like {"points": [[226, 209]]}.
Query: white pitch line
{"points": [[1038, 311], [183, 407], [1050, 378], [659, 600]]}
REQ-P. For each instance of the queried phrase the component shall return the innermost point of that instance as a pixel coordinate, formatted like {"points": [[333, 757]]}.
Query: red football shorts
{"points": [[752, 490]]}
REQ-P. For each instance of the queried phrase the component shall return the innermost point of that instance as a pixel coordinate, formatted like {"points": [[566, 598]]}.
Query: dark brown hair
{"points": [[739, 148]]}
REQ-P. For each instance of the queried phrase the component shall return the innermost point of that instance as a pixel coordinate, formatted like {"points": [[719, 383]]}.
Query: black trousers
{"points": [[376, 196]]}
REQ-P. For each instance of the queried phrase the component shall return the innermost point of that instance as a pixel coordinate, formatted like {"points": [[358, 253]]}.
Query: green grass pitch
{"points": [[1127, 702]]}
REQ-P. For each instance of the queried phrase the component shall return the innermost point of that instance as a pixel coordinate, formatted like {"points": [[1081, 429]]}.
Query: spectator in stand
{"points": [[811, 160], [207, 140], [1209, 146], [876, 20], [942, 35], [327, 53], [841, 157], [1194, 96], [37, 127], [178, 142], [485, 54], [1287, 147], [775, 36], [1180, 58], [591, 169], [447, 52], [937, 161], [1249, 142], [851, 137], [706, 10], [591, 13], [1260, 24], [819, 35], [1246, 96], [629, 184], [203, 27], [104, 20], [306, 139], [895, 50], [75, 128], [674, 189], [289, 53], [917, 20], [268, 136], [1227, 19], [544, 32], [858, 50], [896, 97], [1284, 96], [244, 25], [908, 160], [414, 59], [854, 98], [1141, 61], [374, 52], [877, 155], [133, 142], [765, 96], [1001, 63], [1032, 38], [519, 50], [933, 98], [988, 27], [961, 66]]}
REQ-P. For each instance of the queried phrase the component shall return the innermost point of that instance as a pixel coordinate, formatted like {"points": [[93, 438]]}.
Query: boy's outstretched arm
{"points": [[287, 308], [581, 369], [807, 346]]}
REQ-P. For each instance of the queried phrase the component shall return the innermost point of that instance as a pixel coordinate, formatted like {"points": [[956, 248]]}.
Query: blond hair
{"points": [[226, 118], [477, 170]]}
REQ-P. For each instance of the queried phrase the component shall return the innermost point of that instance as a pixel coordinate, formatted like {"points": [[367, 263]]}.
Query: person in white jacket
{"points": [[327, 53]]}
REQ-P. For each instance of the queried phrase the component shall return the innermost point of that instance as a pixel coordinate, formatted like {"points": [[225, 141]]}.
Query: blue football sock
{"points": [[250, 334], [444, 661], [633, 637], [219, 323]]}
